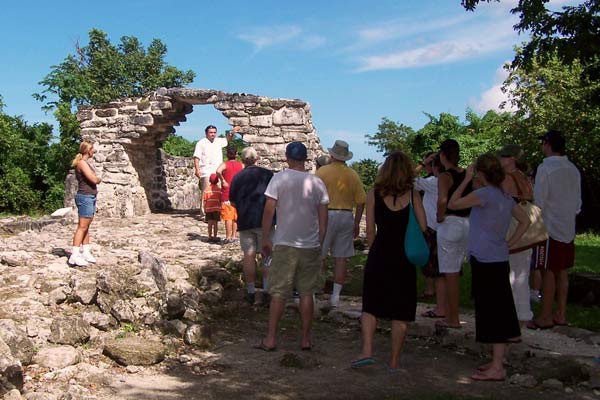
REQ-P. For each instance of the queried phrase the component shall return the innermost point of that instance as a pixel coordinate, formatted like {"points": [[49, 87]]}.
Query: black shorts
{"points": [[213, 216]]}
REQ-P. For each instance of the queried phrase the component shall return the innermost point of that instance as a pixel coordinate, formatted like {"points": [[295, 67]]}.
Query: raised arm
{"points": [[85, 169], [523, 224]]}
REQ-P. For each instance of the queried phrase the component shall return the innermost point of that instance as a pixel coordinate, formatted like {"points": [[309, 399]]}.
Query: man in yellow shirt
{"points": [[345, 192]]}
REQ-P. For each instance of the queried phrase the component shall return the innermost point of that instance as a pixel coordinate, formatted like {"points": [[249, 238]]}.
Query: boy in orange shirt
{"points": [[211, 198]]}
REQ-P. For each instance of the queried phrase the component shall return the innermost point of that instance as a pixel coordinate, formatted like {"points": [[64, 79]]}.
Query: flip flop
{"points": [[444, 324], [534, 325], [431, 314], [262, 346], [390, 369], [481, 376], [362, 362]]}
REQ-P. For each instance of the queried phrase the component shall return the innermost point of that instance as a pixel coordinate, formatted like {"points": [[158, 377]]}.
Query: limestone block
{"points": [[16, 339], [11, 370], [144, 120], [128, 110], [84, 115], [288, 116], [135, 351], [93, 123], [241, 121], [197, 335], [116, 179], [272, 131], [57, 357], [264, 139], [235, 113], [106, 112], [260, 110], [69, 330], [261, 121], [223, 105]]}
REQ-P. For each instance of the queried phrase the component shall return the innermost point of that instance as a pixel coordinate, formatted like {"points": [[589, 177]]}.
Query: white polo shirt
{"points": [[209, 154], [557, 192]]}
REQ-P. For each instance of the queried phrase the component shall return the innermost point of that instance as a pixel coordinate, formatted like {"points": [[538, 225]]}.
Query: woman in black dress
{"points": [[390, 281]]}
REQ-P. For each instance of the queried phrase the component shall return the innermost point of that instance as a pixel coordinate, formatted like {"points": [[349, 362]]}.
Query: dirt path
{"points": [[234, 369]]}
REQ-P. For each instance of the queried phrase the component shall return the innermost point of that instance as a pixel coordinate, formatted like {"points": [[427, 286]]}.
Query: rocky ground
{"points": [[161, 316]]}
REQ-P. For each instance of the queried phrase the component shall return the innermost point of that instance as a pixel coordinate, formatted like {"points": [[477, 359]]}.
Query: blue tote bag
{"points": [[415, 245]]}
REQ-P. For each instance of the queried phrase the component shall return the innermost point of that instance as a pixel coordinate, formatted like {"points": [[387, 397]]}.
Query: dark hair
{"points": [[437, 163], [396, 175], [556, 141], [489, 165], [451, 150], [209, 127], [231, 152]]}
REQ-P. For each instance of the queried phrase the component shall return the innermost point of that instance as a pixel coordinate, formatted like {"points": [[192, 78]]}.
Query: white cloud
{"points": [[442, 52], [397, 28], [491, 98], [270, 36]]}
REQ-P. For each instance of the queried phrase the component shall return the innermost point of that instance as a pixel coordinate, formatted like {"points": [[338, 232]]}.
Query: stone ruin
{"points": [[139, 178]]}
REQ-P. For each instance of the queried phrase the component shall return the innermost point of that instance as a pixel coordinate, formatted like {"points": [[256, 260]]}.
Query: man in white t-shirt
{"points": [[208, 153], [300, 200]]}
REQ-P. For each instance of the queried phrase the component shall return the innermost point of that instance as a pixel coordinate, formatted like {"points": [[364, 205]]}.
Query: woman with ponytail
{"points": [[85, 199]]}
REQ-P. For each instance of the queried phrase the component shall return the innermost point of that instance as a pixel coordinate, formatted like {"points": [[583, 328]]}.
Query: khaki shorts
{"points": [[294, 267], [251, 240]]}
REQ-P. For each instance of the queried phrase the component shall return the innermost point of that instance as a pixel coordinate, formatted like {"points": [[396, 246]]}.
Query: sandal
{"points": [[432, 314], [534, 325], [444, 324], [484, 376], [262, 346]]}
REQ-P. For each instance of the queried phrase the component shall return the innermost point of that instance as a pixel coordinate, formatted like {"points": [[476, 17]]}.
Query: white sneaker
{"points": [[77, 259], [87, 256], [334, 302]]}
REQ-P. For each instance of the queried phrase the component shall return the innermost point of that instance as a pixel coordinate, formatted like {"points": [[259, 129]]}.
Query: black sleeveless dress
{"points": [[390, 281]]}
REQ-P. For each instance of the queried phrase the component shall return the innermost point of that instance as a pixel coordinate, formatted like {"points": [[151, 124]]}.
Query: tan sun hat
{"points": [[340, 151]]}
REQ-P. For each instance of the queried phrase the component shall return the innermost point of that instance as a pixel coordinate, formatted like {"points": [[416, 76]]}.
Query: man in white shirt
{"points": [[301, 201], [557, 192], [208, 153]]}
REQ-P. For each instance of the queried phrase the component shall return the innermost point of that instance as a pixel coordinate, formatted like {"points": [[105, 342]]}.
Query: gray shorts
{"points": [[251, 240], [339, 239]]}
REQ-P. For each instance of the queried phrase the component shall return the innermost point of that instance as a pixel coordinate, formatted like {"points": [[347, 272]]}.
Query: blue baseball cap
{"points": [[296, 151]]}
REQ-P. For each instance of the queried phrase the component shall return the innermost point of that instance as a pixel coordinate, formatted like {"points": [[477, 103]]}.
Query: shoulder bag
{"points": [[536, 233], [415, 246]]}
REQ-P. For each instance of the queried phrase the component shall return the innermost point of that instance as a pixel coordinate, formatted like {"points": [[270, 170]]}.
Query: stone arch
{"points": [[139, 178]]}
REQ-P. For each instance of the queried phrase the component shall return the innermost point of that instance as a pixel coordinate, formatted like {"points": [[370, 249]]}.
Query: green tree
{"points": [[571, 34], [24, 170], [367, 170], [178, 146], [390, 136], [98, 73]]}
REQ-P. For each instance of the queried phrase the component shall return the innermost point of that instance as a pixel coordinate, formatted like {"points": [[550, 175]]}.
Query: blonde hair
{"points": [[84, 148], [396, 175]]}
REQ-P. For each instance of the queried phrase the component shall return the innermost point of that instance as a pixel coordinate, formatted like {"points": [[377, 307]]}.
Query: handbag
{"points": [[415, 245], [536, 233]]}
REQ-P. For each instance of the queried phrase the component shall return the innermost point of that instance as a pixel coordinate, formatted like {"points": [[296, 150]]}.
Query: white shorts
{"points": [[452, 235], [339, 239]]}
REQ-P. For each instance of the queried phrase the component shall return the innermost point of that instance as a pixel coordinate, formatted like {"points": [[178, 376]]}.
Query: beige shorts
{"points": [[294, 267]]}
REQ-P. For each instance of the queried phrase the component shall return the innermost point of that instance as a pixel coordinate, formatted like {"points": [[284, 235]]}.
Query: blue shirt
{"points": [[489, 224]]}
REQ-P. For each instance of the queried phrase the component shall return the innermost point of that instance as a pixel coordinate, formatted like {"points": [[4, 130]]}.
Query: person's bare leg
{"points": [[453, 298], [399, 329], [429, 287], [234, 234], [548, 292], [83, 226], [86, 237], [339, 273], [276, 309], [368, 323], [562, 292], [536, 280], [228, 229], [307, 310], [440, 296], [249, 266]]}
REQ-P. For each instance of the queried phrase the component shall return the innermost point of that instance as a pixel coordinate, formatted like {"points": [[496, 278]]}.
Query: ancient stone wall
{"points": [[129, 132]]}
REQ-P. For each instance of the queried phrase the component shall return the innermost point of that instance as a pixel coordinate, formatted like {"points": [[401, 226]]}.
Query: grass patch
{"points": [[587, 259], [587, 253]]}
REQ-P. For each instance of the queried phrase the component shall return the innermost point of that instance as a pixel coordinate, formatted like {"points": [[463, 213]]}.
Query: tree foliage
{"points": [[367, 170], [27, 182], [571, 34]]}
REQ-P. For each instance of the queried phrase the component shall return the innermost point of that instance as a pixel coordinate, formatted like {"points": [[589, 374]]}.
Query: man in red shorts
{"points": [[557, 192]]}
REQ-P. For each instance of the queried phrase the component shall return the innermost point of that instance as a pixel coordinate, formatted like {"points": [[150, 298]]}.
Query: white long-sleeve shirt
{"points": [[429, 186], [557, 192]]}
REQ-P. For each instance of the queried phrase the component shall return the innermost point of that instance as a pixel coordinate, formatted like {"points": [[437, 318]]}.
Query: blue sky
{"points": [[353, 61]]}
